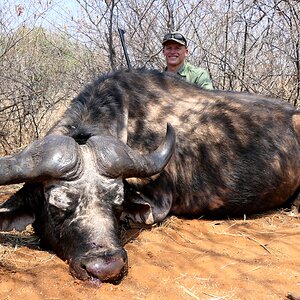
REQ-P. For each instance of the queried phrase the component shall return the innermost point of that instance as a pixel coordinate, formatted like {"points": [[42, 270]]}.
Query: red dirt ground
{"points": [[255, 258]]}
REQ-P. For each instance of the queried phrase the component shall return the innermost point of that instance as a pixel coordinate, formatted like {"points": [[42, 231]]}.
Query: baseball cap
{"points": [[176, 37]]}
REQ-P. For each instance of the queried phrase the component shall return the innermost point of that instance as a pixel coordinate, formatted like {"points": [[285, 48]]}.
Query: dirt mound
{"points": [[256, 258]]}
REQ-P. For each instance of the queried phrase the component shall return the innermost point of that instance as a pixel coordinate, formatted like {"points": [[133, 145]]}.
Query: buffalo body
{"points": [[235, 154]]}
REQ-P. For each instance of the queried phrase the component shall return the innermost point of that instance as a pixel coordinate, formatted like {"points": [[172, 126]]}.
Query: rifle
{"points": [[121, 35]]}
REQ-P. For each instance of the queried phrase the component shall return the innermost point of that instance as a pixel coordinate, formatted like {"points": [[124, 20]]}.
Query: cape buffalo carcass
{"points": [[235, 154]]}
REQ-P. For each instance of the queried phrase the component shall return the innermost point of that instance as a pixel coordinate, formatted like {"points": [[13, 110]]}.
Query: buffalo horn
{"points": [[120, 161], [54, 156]]}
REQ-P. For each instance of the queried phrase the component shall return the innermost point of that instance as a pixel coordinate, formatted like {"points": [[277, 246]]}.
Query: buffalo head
{"points": [[73, 195]]}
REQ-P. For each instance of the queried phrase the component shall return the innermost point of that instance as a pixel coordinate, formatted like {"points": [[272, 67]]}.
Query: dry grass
{"points": [[19, 251]]}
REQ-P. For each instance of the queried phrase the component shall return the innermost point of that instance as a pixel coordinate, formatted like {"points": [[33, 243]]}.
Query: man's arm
{"points": [[204, 81]]}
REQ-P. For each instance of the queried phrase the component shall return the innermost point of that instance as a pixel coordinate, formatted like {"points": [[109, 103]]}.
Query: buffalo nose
{"points": [[110, 267]]}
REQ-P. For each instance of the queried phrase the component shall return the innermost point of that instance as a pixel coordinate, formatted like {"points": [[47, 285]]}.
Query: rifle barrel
{"points": [[121, 34]]}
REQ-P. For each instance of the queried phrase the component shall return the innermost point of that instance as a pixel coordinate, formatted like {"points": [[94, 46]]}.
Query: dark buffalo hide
{"points": [[235, 154]]}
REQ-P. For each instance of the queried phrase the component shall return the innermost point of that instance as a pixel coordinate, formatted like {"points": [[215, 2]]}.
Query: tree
{"points": [[50, 49]]}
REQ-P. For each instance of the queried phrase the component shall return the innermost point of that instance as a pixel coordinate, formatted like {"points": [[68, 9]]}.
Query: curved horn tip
{"points": [[171, 132], [164, 152], [170, 140]]}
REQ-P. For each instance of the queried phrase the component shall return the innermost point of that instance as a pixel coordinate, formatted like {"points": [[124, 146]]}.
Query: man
{"points": [[175, 51]]}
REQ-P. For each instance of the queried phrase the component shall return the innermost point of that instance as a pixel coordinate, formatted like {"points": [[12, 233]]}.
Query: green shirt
{"points": [[196, 75]]}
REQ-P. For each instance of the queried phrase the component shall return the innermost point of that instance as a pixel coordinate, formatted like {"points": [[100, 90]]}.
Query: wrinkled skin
{"points": [[235, 154], [88, 225], [84, 216], [80, 228]]}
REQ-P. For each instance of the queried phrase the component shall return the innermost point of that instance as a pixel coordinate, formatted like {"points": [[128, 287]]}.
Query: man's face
{"points": [[174, 53]]}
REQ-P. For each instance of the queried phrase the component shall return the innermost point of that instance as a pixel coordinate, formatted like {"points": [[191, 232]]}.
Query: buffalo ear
{"points": [[15, 219], [15, 213], [147, 200]]}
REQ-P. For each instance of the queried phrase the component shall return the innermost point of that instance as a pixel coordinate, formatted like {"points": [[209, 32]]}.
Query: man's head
{"points": [[175, 50]]}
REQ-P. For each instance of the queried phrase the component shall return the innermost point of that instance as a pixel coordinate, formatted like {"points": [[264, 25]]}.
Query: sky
{"points": [[48, 13]]}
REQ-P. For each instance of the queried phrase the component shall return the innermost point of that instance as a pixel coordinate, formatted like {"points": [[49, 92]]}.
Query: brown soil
{"points": [[255, 258]]}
